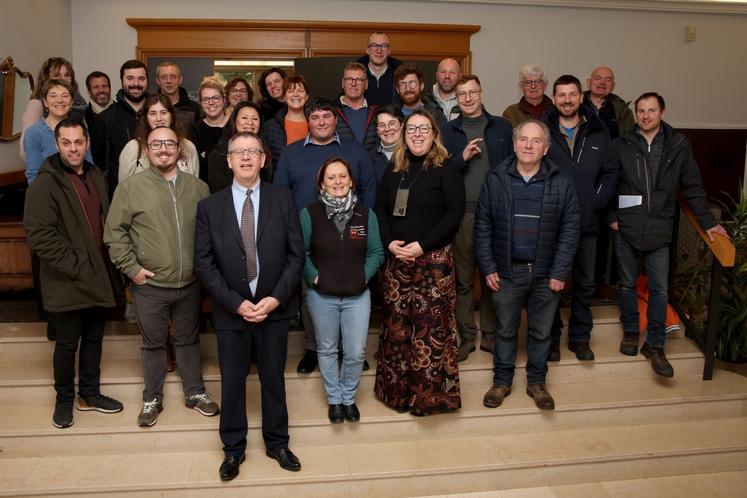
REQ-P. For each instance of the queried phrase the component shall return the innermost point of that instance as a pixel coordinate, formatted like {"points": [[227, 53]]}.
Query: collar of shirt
{"points": [[437, 95], [309, 141], [343, 102]]}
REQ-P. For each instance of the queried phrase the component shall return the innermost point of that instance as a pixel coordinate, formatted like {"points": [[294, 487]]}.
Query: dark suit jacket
{"points": [[219, 254]]}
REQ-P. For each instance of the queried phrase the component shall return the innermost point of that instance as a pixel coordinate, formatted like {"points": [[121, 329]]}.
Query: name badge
{"points": [[400, 202]]}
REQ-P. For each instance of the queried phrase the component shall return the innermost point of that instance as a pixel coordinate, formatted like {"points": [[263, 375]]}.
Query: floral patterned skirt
{"points": [[417, 366]]}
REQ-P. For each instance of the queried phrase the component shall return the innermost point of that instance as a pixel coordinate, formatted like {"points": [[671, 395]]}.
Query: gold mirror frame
{"points": [[13, 103]]}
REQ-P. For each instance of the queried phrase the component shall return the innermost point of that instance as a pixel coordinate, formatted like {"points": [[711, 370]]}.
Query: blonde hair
{"points": [[214, 82], [435, 157]]}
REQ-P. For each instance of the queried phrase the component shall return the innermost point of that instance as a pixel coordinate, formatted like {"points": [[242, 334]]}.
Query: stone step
{"points": [[399, 468], [33, 380], [610, 403]]}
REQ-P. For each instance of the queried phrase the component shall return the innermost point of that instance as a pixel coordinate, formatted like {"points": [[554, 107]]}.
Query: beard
{"points": [[133, 98], [410, 99]]}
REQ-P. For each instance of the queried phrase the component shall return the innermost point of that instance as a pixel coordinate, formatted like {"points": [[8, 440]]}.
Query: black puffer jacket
{"points": [[559, 223], [649, 226], [593, 165], [273, 133]]}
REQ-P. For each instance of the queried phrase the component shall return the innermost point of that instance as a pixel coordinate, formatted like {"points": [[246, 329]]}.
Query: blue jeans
{"points": [[334, 316], [523, 290], [581, 321], [656, 264]]}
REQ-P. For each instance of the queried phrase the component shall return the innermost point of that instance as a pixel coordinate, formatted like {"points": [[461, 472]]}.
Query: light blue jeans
{"points": [[334, 316]]}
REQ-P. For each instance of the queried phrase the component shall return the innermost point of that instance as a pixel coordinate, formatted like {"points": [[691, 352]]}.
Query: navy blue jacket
{"points": [[381, 91], [593, 165], [273, 133], [497, 140], [371, 139], [559, 223]]}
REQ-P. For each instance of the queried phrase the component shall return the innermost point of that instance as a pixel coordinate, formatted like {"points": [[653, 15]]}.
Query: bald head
{"points": [[447, 74], [602, 82]]}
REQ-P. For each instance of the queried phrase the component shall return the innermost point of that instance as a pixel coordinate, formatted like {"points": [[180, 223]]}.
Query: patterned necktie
{"points": [[247, 236]]}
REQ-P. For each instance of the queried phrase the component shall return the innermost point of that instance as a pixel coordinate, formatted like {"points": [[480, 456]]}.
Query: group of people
{"points": [[388, 190]]}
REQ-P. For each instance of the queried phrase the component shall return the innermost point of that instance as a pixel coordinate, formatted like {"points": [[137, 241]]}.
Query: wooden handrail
{"points": [[721, 247]]}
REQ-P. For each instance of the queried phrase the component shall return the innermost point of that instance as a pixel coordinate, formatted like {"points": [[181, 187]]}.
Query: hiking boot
{"points": [[203, 404], [629, 344], [149, 413], [582, 350], [495, 395], [99, 403], [541, 397], [658, 360], [63, 414], [465, 348], [554, 354]]}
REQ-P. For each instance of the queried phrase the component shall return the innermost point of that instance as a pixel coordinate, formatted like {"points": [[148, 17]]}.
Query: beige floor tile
{"points": [[15, 471], [539, 492], [71, 472], [151, 468], [681, 486], [633, 488], [584, 490], [726, 484]]}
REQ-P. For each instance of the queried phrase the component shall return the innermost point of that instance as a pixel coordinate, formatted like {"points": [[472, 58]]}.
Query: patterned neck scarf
{"points": [[338, 209]]}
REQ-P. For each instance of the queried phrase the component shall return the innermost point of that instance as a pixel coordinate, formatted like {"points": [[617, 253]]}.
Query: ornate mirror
{"points": [[16, 87]]}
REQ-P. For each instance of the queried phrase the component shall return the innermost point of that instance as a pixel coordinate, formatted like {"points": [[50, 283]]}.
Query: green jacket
{"points": [[74, 273], [151, 224], [519, 112], [623, 114]]}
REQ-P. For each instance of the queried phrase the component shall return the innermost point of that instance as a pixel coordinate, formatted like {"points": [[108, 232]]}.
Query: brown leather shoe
{"points": [[659, 361], [629, 344], [495, 395], [465, 348], [541, 397]]}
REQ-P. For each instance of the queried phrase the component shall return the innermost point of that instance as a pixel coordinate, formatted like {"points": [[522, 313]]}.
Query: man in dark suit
{"points": [[249, 254]]}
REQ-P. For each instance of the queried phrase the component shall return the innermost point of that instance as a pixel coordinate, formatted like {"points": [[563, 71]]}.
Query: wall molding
{"points": [[685, 6]]}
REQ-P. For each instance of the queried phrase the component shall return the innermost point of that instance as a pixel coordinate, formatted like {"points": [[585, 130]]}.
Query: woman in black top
{"points": [[206, 132], [419, 207]]}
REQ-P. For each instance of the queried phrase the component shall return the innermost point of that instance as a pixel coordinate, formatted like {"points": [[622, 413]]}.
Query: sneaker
{"points": [[203, 404], [465, 348], [63, 414], [149, 413], [554, 354], [99, 403], [582, 350], [541, 397], [629, 344], [659, 361], [495, 395]]}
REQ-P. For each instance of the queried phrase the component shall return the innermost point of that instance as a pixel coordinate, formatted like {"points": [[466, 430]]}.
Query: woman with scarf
{"points": [[343, 251]]}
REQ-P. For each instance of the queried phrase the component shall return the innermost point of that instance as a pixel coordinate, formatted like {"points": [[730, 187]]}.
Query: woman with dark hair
{"points": [[270, 86], [54, 68], [38, 141], [343, 251], [237, 90], [157, 111], [289, 124], [419, 208], [245, 117], [388, 119]]}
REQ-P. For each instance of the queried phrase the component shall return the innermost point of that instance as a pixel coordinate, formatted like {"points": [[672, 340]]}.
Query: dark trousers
{"points": [[581, 321], [154, 307], [87, 327], [267, 342]]}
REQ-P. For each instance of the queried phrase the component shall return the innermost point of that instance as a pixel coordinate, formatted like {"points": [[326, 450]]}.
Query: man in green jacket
{"points": [[63, 217], [150, 232]]}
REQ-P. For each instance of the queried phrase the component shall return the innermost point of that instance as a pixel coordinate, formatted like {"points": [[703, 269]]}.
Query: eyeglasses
{"points": [[239, 91], [473, 94], [358, 81], [533, 83], [246, 152], [389, 125], [379, 46], [408, 84], [424, 129], [159, 144], [211, 100]]}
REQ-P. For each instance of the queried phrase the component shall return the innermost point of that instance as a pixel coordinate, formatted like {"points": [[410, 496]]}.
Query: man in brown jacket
{"points": [[63, 217]]}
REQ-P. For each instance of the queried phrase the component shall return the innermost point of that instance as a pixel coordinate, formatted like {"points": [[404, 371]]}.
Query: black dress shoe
{"points": [[229, 469], [366, 366], [285, 458], [308, 363], [351, 413], [336, 413]]}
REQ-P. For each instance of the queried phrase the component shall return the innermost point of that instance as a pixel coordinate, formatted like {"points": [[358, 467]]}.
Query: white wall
{"points": [[32, 31]]}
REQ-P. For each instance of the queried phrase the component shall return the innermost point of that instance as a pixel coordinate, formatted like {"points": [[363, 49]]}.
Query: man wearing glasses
{"points": [[169, 80], [534, 103], [477, 142], [354, 115], [408, 79], [150, 234], [380, 67]]}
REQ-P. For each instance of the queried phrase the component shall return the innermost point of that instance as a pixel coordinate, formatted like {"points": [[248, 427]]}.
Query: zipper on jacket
{"points": [[648, 183], [172, 190], [580, 151]]}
